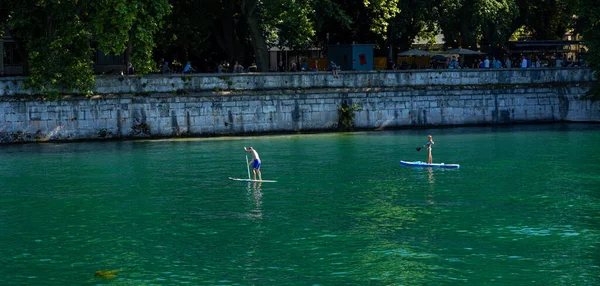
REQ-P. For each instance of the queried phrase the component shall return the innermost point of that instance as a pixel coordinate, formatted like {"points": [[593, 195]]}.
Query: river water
{"points": [[523, 209]]}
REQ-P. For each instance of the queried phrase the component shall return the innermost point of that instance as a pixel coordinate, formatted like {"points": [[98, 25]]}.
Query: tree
{"points": [[235, 30], [331, 22], [56, 40], [466, 22], [348, 21], [56, 37], [128, 26], [251, 11], [381, 11], [546, 19], [496, 18], [589, 24], [187, 33], [415, 19], [288, 23], [258, 24]]}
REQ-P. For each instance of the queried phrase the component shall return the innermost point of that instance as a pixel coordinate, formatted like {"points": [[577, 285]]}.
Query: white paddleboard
{"points": [[434, 165], [249, 180]]}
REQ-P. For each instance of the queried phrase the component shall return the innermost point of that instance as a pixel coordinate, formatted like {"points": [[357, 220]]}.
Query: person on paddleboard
{"points": [[428, 145], [255, 163]]}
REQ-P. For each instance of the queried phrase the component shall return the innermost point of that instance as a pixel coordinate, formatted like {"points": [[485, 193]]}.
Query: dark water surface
{"points": [[523, 209]]}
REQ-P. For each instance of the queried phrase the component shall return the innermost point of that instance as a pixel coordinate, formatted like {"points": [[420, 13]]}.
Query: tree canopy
{"points": [[589, 26], [56, 39]]}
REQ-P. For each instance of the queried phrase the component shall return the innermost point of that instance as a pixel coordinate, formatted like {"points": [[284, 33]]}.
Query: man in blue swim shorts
{"points": [[255, 163]]}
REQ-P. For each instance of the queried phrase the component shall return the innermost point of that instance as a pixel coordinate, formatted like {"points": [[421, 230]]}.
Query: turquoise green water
{"points": [[523, 209]]}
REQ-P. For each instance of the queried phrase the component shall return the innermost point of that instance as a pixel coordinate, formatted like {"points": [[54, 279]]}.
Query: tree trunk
{"points": [[390, 43], [20, 47], [225, 35], [259, 44], [405, 42], [467, 37], [128, 51]]}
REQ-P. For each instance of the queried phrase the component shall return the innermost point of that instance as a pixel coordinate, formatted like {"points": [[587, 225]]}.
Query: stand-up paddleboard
{"points": [[435, 165], [250, 180]]}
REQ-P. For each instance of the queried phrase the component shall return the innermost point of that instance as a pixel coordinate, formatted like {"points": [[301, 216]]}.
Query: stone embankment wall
{"points": [[228, 104]]}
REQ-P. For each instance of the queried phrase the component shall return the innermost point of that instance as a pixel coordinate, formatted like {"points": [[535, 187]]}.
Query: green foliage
{"points": [[589, 25], [56, 41], [141, 128], [546, 19], [188, 31], [148, 21], [112, 22], [495, 19], [56, 37], [287, 23], [346, 21], [103, 132], [52, 95], [415, 19], [327, 11], [466, 22], [520, 33], [381, 12], [346, 114]]}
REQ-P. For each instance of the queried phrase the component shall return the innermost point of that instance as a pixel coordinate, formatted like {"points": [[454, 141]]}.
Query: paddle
{"points": [[247, 166], [419, 148]]}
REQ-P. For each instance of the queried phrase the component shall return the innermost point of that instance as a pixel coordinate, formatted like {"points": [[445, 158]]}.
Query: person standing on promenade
{"points": [[188, 68], [130, 69], [524, 62], [165, 68], [255, 163], [333, 68]]}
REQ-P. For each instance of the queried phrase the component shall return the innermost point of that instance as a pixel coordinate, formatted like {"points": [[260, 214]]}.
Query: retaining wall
{"points": [[229, 104]]}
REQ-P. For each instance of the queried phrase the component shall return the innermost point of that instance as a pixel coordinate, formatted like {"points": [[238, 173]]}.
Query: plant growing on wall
{"points": [[346, 114], [142, 128]]}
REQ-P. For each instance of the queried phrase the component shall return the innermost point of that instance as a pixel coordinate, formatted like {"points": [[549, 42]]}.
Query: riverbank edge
{"points": [[241, 136]]}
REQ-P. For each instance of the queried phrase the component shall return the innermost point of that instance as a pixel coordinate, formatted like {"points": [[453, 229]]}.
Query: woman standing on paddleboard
{"points": [[428, 145]]}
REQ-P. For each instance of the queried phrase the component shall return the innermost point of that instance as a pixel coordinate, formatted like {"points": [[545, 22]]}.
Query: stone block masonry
{"points": [[231, 104]]}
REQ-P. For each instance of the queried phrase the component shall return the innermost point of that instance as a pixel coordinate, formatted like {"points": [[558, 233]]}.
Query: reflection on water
{"points": [[431, 189], [255, 197], [430, 176]]}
